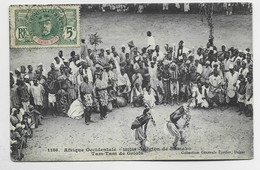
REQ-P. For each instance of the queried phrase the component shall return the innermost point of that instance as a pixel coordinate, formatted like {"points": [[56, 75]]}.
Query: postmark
{"points": [[40, 26]]}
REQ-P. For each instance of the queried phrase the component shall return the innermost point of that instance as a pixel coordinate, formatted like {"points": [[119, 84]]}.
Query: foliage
{"points": [[206, 9], [94, 39]]}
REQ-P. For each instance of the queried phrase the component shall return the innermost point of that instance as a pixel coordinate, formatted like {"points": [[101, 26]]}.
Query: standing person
{"points": [[23, 94], [166, 84], [140, 126], [14, 99], [241, 91], [52, 88], [179, 120], [100, 88], [37, 92], [180, 49], [62, 100], [150, 41], [72, 87], [23, 71], [60, 54], [129, 68], [86, 90], [131, 51], [30, 73], [122, 54], [215, 88], [249, 96], [231, 80], [157, 53], [83, 50], [174, 83]]}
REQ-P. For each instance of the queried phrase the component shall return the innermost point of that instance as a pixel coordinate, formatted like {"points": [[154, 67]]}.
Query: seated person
{"points": [[137, 96]]}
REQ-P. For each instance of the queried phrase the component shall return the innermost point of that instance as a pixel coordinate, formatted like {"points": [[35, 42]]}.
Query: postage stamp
{"points": [[44, 26]]}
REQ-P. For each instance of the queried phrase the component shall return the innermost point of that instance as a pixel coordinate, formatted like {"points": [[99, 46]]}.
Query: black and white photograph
{"points": [[131, 81]]}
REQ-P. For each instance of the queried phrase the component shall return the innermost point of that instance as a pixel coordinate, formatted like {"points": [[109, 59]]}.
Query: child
{"points": [[241, 91], [140, 126], [35, 116]]}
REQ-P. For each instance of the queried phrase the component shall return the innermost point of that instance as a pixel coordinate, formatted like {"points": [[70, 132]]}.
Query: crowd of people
{"points": [[101, 80], [226, 8]]}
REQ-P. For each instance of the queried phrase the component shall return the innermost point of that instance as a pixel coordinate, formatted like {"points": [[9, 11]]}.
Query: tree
{"points": [[206, 9], [94, 39]]}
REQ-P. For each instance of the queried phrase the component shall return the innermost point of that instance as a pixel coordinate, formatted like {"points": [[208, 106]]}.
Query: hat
{"points": [[65, 60], [131, 43], [11, 72], [231, 66], [107, 49], [40, 64], [18, 69], [123, 46], [188, 62], [207, 62]]}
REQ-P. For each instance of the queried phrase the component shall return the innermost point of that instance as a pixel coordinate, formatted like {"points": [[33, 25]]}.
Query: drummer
{"points": [[231, 80]]}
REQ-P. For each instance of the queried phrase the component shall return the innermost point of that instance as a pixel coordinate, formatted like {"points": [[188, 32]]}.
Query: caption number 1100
{"points": [[53, 150]]}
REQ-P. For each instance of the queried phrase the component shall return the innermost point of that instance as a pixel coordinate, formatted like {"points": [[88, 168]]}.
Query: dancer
{"points": [[179, 120], [140, 126]]}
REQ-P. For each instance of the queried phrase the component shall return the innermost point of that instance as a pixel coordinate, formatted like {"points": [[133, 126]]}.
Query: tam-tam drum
{"points": [[121, 101], [212, 92]]}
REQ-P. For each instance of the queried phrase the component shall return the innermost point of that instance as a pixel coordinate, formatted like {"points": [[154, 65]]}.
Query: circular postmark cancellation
{"points": [[45, 25]]}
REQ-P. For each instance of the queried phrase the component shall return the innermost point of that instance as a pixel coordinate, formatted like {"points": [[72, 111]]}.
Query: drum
{"points": [[231, 93], [121, 101], [136, 124], [212, 92]]}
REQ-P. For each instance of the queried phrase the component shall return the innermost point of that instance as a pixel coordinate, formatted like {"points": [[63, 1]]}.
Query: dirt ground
{"points": [[210, 130]]}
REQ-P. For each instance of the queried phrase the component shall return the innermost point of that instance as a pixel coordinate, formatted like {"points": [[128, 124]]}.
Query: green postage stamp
{"points": [[39, 26]]}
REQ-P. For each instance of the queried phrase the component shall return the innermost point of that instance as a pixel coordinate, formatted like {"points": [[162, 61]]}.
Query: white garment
{"points": [[88, 72], [76, 110], [215, 81], [149, 98], [186, 7], [199, 69], [151, 42]]}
